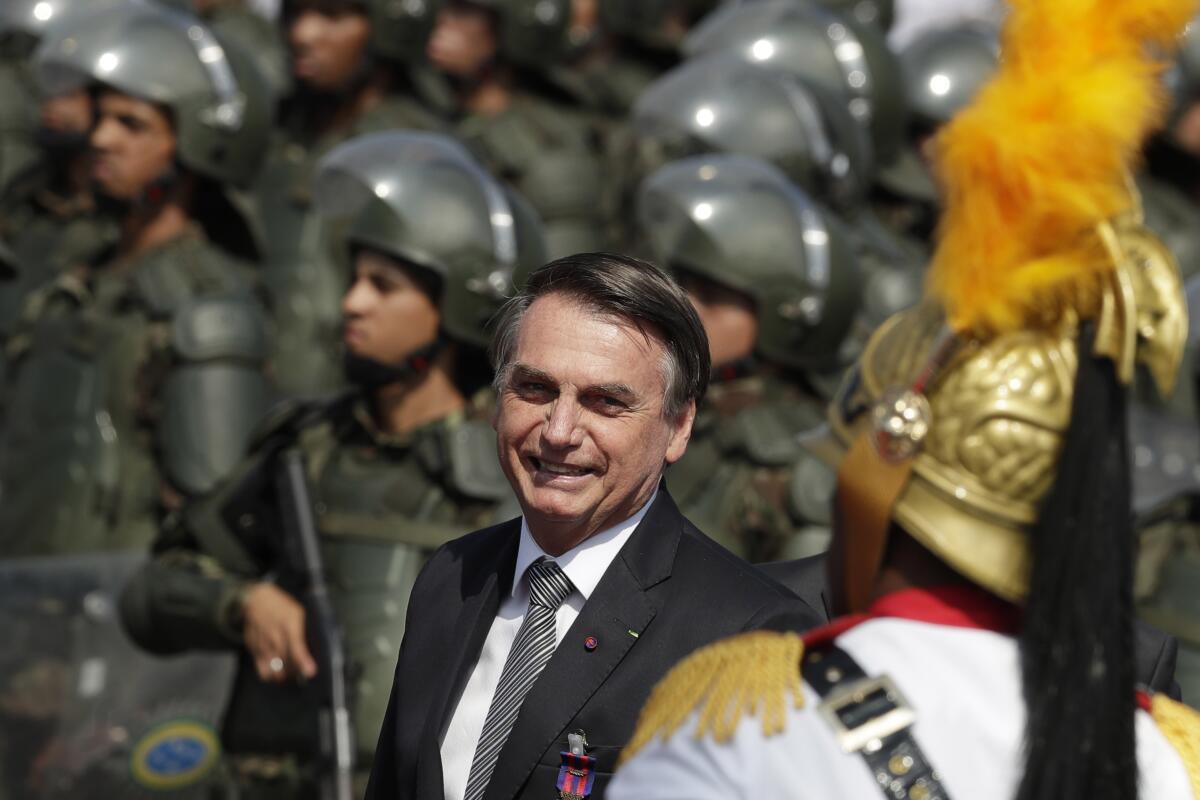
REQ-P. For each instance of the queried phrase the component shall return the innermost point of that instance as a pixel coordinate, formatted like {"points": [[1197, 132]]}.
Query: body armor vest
{"points": [[382, 507], [735, 482], [78, 461]]}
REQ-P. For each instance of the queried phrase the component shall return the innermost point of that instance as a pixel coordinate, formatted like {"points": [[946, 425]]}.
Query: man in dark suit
{"points": [[1155, 652], [531, 646]]}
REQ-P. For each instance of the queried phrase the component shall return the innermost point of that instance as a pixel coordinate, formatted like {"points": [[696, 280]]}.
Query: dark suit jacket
{"points": [[1156, 651], [669, 591]]}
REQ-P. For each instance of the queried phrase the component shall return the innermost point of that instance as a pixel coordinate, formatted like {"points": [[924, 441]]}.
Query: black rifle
{"points": [[324, 632]]}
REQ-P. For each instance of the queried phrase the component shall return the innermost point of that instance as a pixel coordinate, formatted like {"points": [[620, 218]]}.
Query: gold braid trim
{"points": [[742, 676], [1181, 725]]}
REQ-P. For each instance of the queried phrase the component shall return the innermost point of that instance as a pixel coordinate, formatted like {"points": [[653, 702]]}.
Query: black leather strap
{"points": [[858, 708]]}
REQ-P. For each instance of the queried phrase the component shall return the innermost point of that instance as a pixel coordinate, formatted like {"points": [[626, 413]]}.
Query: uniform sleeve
{"points": [[686, 767], [188, 595]]}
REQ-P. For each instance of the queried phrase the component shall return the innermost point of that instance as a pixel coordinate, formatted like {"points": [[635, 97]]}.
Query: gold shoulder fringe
{"points": [[1181, 725], [748, 675]]}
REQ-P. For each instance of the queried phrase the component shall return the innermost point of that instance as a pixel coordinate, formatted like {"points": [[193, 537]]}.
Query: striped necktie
{"points": [[548, 587]]}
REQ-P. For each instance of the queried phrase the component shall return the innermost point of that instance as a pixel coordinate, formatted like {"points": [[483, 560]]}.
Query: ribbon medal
{"points": [[578, 770]]}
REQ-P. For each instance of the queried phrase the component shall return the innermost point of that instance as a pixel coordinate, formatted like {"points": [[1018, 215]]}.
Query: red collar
{"points": [[959, 606]]}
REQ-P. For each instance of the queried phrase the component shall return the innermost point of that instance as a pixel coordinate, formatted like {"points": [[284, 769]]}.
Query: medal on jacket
{"points": [[578, 770]]}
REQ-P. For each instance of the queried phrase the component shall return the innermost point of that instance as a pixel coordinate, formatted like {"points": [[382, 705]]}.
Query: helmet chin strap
{"points": [[733, 370], [369, 374], [153, 196]]}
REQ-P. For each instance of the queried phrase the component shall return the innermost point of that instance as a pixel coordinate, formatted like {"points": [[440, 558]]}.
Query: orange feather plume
{"points": [[1042, 156]]}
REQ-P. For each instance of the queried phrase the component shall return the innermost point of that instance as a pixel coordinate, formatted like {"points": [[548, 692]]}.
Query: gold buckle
{"points": [[869, 735]]}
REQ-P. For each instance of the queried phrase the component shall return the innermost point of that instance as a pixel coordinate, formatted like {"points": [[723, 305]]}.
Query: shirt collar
{"points": [[586, 563]]}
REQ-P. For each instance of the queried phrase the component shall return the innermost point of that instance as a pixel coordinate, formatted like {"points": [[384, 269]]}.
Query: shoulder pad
{"points": [[1180, 725], [474, 468], [764, 433], [179, 272], [233, 326], [398, 111], [810, 491], [162, 287], [563, 183], [507, 144], [287, 417], [756, 673]]}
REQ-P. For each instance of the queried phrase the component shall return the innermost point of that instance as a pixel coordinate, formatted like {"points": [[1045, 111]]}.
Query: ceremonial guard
{"points": [[983, 546], [395, 468]]}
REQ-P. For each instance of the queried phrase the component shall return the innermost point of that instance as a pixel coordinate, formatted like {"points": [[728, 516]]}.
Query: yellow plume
{"points": [[1042, 156]]}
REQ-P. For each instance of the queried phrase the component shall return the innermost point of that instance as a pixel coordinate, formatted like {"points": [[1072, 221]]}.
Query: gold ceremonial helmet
{"points": [[954, 418], [975, 426]]}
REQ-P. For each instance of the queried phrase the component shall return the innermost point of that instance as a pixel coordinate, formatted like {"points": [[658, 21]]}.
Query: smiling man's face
{"points": [[580, 423]]}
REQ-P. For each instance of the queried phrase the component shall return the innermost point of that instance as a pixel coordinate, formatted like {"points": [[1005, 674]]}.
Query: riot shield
{"points": [[83, 712]]}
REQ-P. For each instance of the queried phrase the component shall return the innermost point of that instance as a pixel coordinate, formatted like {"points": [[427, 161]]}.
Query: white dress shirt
{"points": [[585, 565]]}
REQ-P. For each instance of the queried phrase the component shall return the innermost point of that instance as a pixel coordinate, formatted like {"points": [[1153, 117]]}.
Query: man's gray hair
{"points": [[624, 288]]}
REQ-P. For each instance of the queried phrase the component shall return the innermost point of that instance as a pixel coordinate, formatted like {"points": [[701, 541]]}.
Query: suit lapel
{"points": [[491, 578], [618, 609]]}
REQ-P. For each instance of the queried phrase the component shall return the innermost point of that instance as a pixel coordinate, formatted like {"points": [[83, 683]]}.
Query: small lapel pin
{"points": [[591, 643], [633, 633]]}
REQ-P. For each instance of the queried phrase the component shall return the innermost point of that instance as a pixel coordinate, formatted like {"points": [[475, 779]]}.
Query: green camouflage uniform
{"points": [[548, 153], [1168, 572], [129, 383], [18, 109], [383, 503], [746, 481], [48, 230]]}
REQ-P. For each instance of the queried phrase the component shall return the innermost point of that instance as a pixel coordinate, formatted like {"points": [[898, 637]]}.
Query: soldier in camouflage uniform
{"points": [[402, 464], [136, 379], [494, 55], [350, 67], [47, 213], [776, 285]]}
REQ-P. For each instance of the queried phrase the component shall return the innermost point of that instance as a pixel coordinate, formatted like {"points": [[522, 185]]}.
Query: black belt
{"points": [[871, 717]]}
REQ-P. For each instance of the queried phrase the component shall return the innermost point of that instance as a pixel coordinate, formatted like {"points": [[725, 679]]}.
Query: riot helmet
{"points": [[33, 18], [423, 199], [880, 13], [740, 223], [217, 98], [400, 28], [841, 55], [944, 67], [719, 104]]}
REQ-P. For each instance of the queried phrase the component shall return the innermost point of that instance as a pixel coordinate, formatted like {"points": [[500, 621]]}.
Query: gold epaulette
{"points": [[752, 674], [1181, 725]]}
